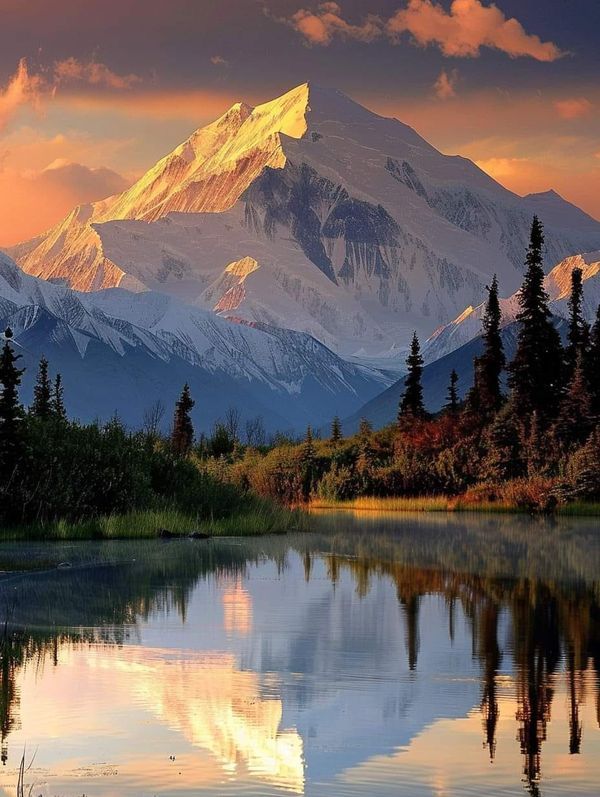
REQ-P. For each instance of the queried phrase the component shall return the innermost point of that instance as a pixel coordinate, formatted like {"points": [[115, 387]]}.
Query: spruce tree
{"points": [[42, 393], [11, 411], [592, 367], [336, 430], [365, 461], [576, 335], [57, 402], [308, 464], [411, 404], [183, 430], [452, 401], [504, 458], [536, 371], [575, 420], [485, 396]]}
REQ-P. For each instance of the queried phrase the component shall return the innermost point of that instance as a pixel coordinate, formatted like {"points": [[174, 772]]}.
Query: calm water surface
{"points": [[380, 655]]}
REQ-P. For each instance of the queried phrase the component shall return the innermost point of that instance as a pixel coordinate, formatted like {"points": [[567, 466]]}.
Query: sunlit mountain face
{"points": [[310, 212], [375, 656]]}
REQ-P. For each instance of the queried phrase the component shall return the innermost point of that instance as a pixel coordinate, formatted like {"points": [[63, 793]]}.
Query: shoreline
{"points": [[425, 504], [158, 524]]}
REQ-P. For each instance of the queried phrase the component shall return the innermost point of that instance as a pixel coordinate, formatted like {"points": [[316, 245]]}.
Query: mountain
{"points": [[310, 212], [558, 286], [120, 351]]}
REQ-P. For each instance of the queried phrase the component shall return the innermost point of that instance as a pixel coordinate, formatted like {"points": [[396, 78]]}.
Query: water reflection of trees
{"points": [[542, 588], [552, 624]]}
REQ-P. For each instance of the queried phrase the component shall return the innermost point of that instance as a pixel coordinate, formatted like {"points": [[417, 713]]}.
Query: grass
{"points": [[396, 504], [448, 504], [263, 519], [579, 509]]}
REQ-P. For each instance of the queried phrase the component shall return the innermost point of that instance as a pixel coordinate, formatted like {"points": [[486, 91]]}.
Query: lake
{"points": [[439, 654]]}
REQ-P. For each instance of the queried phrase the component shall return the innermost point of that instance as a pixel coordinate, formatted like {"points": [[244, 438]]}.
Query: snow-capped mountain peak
{"points": [[359, 230]]}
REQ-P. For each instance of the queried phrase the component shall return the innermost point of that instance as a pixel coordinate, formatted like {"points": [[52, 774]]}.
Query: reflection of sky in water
{"points": [[275, 684]]}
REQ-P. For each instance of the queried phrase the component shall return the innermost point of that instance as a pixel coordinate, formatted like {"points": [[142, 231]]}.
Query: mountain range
{"points": [[311, 213], [121, 352], [278, 260]]}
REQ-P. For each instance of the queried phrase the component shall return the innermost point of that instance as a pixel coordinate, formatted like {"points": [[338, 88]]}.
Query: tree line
{"points": [[53, 468]]}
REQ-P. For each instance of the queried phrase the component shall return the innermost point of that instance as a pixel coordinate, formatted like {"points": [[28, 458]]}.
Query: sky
{"points": [[93, 93]]}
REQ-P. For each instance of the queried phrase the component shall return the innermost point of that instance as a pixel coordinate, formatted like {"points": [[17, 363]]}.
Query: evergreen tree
{"points": [[365, 461], [308, 450], [592, 367], [308, 464], [183, 430], [336, 430], [42, 393], [576, 335], [365, 429], [485, 397], [575, 420], [536, 450], [504, 458], [536, 371], [452, 399], [57, 402], [411, 404], [11, 411]]}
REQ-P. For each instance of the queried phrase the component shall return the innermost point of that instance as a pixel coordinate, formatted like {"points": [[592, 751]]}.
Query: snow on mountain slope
{"points": [[360, 231], [286, 373], [558, 285]]}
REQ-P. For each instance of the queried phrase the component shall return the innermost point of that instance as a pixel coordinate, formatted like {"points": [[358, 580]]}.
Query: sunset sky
{"points": [[93, 93]]}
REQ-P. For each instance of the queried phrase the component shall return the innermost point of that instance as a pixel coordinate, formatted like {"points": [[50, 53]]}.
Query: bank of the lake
{"points": [[166, 523], [453, 504]]}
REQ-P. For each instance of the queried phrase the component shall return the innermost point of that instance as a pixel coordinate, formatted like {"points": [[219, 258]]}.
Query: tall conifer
{"points": [[452, 400], [486, 395], [575, 419], [411, 404], [336, 430], [58, 404], [11, 411], [183, 429], [592, 366], [576, 336], [42, 393], [537, 369]]}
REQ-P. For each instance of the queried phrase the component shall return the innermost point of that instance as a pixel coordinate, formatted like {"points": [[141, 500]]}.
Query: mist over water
{"points": [[379, 655]]}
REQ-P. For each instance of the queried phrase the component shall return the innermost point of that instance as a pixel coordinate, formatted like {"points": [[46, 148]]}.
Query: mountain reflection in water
{"points": [[422, 655]]}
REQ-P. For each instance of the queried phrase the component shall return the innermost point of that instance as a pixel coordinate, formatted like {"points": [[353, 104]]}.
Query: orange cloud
{"points": [[445, 85], [31, 202], [322, 26], [460, 32], [27, 89], [22, 89], [94, 73], [466, 28], [573, 108]]}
